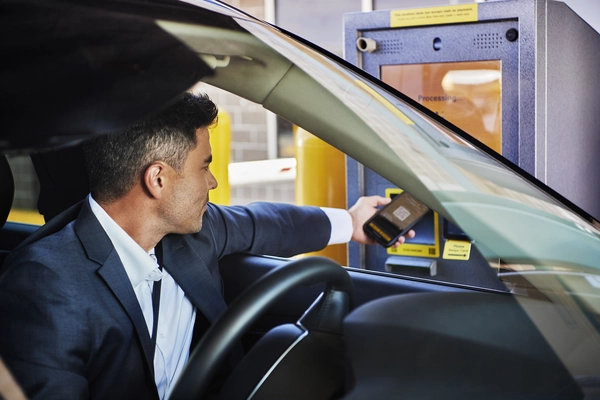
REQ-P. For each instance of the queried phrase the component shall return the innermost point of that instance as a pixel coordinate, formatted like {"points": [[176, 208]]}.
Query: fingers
{"points": [[364, 209], [409, 235], [381, 201]]}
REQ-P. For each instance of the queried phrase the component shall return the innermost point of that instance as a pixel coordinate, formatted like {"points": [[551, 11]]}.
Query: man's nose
{"points": [[213, 184]]}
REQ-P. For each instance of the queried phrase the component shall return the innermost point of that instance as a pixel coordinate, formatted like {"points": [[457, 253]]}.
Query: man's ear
{"points": [[155, 178]]}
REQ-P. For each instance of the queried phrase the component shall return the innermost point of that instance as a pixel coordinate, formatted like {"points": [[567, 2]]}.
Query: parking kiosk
{"points": [[519, 75]]}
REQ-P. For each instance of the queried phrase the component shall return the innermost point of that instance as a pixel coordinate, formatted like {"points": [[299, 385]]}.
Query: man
{"points": [[81, 314]]}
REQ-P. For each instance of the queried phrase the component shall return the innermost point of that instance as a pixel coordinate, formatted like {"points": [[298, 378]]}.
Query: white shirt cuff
{"points": [[341, 225]]}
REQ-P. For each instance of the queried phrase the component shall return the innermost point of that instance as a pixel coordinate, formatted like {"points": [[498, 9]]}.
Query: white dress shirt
{"points": [[176, 313]]}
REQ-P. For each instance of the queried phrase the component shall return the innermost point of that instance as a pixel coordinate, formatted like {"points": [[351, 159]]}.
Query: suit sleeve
{"points": [[268, 228]]}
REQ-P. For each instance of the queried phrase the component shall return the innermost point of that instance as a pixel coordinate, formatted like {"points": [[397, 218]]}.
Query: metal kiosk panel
{"points": [[518, 75]]}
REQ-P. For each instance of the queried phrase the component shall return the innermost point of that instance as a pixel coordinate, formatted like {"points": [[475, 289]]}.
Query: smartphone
{"points": [[395, 219]]}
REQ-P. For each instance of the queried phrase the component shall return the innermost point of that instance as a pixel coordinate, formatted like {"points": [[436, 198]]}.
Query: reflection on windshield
{"points": [[572, 327]]}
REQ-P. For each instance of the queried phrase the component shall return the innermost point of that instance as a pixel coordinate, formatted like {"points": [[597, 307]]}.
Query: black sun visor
{"points": [[70, 70]]}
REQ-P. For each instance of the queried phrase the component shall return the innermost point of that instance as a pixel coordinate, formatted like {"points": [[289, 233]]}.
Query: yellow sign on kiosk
{"points": [[457, 250], [434, 15], [429, 250]]}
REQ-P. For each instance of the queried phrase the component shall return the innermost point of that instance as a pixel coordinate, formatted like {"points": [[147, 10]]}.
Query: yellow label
{"points": [[416, 249], [434, 15], [384, 235], [457, 250]]}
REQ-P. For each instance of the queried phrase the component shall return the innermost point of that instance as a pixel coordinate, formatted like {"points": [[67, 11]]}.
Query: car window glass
{"points": [[442, 168], [27, 187]]}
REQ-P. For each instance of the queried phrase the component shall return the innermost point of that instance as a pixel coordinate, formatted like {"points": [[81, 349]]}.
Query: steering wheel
{"points": [[225, 332]]}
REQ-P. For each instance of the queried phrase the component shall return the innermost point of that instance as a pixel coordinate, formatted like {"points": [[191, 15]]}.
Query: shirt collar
{"points": [[138, 264]]}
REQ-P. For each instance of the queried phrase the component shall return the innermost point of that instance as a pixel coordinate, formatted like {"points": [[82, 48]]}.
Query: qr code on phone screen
{"points": [[401, 213]]}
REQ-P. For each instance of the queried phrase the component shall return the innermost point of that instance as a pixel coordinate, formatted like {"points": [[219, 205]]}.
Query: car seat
{"points": [[7, 193]]}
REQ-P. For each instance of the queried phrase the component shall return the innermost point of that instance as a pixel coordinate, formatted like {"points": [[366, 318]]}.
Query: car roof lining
{"points": [[84, 71]]}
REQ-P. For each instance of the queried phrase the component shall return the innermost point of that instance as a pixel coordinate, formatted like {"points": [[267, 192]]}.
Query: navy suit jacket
{"points": [[70, 324]]}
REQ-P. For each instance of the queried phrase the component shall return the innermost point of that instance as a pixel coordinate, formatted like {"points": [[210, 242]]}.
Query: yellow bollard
{"points": [[321, 181], [220, 141]]}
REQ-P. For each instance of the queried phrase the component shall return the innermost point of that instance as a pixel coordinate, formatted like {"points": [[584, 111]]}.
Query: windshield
{"points": [[456, 179], [536, 245]]}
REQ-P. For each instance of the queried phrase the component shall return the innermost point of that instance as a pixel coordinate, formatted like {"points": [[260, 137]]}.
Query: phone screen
{"points": [[395, 219]]}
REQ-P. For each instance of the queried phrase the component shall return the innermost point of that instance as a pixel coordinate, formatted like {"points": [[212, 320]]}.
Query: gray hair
{"points": [[116, 161]]}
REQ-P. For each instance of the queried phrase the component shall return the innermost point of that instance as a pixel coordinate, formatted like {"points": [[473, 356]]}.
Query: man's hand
{"points": [[361, 211]]}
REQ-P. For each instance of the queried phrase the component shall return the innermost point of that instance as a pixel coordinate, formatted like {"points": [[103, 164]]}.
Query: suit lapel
{"points": [[117, 280], [191, 273], [99, 248]]}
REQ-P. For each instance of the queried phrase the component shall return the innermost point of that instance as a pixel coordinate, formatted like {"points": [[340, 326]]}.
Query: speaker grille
{"points": [[485, 41], [390, 45]]}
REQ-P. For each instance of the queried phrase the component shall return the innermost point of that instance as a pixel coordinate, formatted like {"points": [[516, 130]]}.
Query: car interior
{"points": [[310, 329]]}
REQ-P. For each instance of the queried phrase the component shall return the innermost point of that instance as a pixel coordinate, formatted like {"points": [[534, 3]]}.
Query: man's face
{"points": [[186, 201]]}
